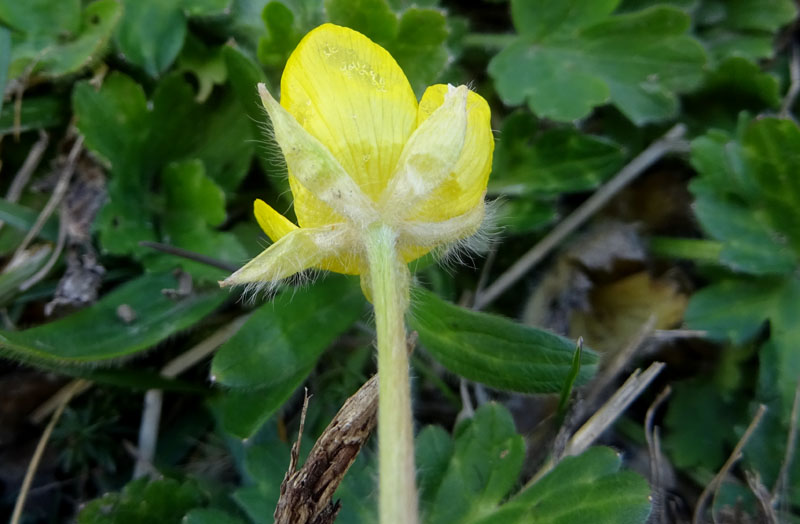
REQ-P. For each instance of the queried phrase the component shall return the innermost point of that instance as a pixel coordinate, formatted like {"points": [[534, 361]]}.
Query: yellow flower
{"points": [[360, 151]]}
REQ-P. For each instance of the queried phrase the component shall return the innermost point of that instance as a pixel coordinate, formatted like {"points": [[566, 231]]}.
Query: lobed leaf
{"points": [[572, 56]]}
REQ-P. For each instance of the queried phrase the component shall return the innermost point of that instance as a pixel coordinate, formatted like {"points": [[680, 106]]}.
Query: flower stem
{"points": [[389, 284]]}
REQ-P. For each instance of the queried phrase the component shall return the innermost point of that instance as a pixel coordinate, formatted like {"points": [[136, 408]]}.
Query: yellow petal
{"points": [[297, 251], [351, 95], [312, 165], [429, 156], [465, 188], [275, 225]]}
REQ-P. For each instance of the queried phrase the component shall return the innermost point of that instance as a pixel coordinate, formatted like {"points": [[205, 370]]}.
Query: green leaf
{"points": [[566, 391], [373, 18], [244, 74], [779, 369], [283, 35], [573, 56], [97, 334], [737, 310], [747, 195], [190, 193], [262, 464], [151, 33], [257, 504], [139, 380], [114, 119], [357, 492], [210, 516], [765, 453], [138, 142], [40, 112], [277, 348], [524, 214], [42, 16], [287, 335], [416, 38], [494, 350], [205, 63], [5, 60], [529, 161], [195, 205], [141, 501], [241, 413], [587, 489], [23, 218], [699, 424], [434, 450], [419, 46], [115, 123], [215, 132], [772, 147], [486, 460], [745, 28], [735, 85], [21, 269], [53, 53], [206, 7]]}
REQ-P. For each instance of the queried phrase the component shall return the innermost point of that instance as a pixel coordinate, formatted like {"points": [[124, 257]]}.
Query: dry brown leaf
{"points": [[618, 310]]}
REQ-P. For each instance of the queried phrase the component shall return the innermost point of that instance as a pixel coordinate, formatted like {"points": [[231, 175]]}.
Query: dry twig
{"points": [[782, 481], [190, 255], [602, 419], [671, 142], [613, 408], [45, 269], [58, 193], [716, 482], [653, 438], [25, 172], [794, 86], [76, 387], [306, 495]]}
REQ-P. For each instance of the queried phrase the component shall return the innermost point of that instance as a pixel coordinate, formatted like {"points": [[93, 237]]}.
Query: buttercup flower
{"points": [[378, 180], [360, 151]]}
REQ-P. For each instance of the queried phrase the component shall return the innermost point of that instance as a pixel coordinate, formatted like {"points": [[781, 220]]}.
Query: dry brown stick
{"points": [[70, 390], [25, 172], [651, 435], [794, 85], [603, 418], [672, 141], [37, 454], [190, 255], [51, 261], [306, 495], [58, 193], [782, 480], [612, 409], [715, 483], [768, 513]]}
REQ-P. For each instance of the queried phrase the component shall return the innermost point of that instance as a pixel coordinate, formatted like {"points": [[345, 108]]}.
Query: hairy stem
{"points": [[389, 286]]}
